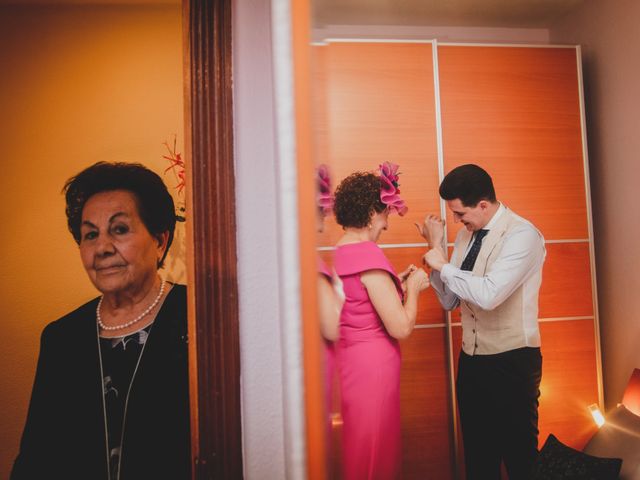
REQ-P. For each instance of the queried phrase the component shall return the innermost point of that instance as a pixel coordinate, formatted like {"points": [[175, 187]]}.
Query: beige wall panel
{"points": [[608, 33]]}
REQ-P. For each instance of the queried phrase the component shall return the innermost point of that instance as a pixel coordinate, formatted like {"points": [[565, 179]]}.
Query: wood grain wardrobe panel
{"points": [[425, 406], [380, 106], [319, 105], [569, 380], [516, 112], [429, 309], [566, 282]]}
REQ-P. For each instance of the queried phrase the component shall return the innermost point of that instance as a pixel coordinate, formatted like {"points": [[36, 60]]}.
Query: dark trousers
{"points": [[498, 403]]}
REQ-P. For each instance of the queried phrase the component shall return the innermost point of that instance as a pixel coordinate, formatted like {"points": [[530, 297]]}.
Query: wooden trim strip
{"points": [[453, 437], [592, 253], [548, 320], [450, 244], [430, 325], [216, 414]]}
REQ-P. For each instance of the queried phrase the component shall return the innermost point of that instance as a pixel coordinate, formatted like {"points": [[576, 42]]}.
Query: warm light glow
{"points": [[596, 414], [336, 420]]}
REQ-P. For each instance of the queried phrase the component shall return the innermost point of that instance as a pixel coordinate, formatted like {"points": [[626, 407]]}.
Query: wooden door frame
{"points": [[211, 236]]}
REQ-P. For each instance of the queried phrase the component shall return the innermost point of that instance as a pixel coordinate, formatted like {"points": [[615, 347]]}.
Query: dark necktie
{"points": [[470, 259]]}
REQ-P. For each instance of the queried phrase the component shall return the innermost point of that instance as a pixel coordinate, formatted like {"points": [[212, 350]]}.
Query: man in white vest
{"points": [[494, 276]]}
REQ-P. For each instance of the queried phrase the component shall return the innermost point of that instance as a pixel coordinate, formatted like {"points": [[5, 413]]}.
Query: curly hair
{"points": [[356, 199], [154, 202]]}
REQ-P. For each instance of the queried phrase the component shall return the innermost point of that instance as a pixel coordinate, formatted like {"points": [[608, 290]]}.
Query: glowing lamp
{"points": [[596, 414]]}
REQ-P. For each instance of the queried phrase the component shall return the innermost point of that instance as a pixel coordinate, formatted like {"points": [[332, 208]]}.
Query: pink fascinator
{"points": [[389, 191], [324, 198]]}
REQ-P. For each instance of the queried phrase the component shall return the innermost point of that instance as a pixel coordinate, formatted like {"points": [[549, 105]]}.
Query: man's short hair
{"points": [[469, 183]]}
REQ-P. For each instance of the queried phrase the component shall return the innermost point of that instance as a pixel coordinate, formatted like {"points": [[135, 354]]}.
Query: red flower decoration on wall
{"points": [[176, 165]]}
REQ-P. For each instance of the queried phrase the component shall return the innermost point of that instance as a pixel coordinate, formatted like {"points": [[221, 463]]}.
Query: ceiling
{"points": [[467, 13], [451, 13]]}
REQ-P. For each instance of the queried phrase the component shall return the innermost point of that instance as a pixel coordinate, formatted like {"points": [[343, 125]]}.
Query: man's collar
{"points": [[496, 216]]}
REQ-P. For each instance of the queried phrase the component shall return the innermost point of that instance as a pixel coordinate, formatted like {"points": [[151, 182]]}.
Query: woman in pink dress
{"points": [[376, 313], [329, 304]]}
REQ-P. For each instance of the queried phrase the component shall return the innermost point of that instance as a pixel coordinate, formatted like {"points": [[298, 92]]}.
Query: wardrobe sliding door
{"points": [[516, 111]]}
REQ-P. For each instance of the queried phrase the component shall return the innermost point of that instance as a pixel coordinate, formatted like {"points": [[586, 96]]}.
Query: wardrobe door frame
{"points": [[214, 349]]}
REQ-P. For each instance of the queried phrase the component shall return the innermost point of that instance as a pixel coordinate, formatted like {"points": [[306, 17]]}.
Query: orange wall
{"points": [[79, 85]]}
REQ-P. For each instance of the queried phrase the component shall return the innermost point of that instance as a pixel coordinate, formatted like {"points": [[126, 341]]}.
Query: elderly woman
{"points": [[110, 398], [380, 307]]}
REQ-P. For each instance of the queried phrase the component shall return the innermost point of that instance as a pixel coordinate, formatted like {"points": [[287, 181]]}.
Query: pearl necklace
{"points": [[131, 322]]}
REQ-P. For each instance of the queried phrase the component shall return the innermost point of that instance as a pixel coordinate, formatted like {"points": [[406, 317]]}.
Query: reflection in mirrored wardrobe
{"points": [[412, 95]]}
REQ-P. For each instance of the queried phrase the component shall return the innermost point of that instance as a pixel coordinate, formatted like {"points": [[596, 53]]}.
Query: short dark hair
{"points": [[154, 202], [356, 198], [470, 183]]}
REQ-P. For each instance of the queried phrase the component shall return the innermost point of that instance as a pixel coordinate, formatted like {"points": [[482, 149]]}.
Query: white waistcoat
{"points": [[512, 324]]}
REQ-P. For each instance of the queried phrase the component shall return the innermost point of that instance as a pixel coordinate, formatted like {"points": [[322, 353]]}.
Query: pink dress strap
{"points": [[354, 258]]}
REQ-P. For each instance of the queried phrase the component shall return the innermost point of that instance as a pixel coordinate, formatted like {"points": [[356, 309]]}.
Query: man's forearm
{"points": [[447, 298]]}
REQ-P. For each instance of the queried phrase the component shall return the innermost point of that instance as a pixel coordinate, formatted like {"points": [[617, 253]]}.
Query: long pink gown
{"points": [[368, 360]]}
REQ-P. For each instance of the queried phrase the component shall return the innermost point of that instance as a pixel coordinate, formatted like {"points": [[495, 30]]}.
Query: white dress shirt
{"points": [[519, 263]]}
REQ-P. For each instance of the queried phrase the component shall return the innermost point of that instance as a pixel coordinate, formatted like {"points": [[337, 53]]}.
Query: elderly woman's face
{"points": [[117, 250]]}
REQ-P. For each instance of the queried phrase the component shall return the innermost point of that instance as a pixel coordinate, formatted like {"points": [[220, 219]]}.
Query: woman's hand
{"points": [[404, 275], [398, 319], [418, 280], [432, 230]]}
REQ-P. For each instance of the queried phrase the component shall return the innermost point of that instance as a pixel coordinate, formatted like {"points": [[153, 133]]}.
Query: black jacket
{"points": [[64, 436]]}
